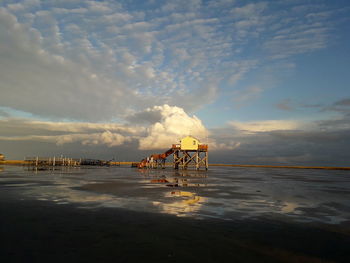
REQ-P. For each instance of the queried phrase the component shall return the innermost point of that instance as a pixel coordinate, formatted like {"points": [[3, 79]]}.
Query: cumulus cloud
{"points": [[162, 126], [173, 125], [150, 116], [259, 142], [154, 128]]}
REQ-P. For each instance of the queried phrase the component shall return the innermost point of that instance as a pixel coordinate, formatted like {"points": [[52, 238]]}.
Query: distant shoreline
{"points": [[282, 166], [22, 162]]}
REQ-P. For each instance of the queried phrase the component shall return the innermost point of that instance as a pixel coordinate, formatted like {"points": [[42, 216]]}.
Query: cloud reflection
{"points": [[221, 193], [185, 204]]}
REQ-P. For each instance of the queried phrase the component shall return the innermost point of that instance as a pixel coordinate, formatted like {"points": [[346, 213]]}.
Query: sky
{"points": [[262, 82]]}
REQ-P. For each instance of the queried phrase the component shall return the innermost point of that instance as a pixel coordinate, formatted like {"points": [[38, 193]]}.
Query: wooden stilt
{"points": [[206, 160]]}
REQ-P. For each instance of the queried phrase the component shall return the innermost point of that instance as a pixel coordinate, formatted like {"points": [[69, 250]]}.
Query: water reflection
{"points": [[191, 173], [174, 173], [191, 198], [61, 169], [177, 182], [220, 192], [289, 207], [185, 203], [179, 203]]}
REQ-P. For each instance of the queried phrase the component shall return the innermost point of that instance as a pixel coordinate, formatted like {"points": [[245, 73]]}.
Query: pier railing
{"points": [[52, 161]]}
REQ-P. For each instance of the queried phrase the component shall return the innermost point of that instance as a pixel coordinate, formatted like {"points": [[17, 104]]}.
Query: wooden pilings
{"points": [[185, 158], [45, 161]]}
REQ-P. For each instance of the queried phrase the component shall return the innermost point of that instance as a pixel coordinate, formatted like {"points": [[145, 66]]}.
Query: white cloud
{"points": [[96, 60], [249, 10], [37, 81], [29, 126], [174, 124], [265, 126], [70, 11], [100, 7], [109, 134], [23, 5], [224, 146], [259, 142], [105, 138], [240, 69], [294, 37], [75, 65], [15, 7], [163, 126]]}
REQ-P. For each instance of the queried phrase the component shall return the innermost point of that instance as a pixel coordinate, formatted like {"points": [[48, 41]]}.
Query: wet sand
{"points": [[70, 227], [39, 231]]}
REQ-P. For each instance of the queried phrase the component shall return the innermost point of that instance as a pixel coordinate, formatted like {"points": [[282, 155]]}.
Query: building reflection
{"points": [[191, 173], [174, 173], [171, 181], [183, 203], [191, 198], [290, 207], [184, 183]]}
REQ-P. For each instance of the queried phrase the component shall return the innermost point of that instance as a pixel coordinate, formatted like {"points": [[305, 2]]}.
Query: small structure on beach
{"points": [[189, 152], [2, 157]]}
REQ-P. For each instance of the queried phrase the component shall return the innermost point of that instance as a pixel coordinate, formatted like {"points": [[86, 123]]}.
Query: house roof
{"points": [[190, 137]]}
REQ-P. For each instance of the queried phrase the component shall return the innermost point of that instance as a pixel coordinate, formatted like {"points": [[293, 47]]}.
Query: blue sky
{"points": [[138, 75]]}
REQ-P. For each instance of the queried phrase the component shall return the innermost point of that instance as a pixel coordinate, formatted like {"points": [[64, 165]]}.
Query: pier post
{"points": [[206, 160]]}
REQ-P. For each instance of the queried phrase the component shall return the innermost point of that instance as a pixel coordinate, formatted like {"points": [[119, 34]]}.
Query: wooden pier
{"points": [[51, 161]]}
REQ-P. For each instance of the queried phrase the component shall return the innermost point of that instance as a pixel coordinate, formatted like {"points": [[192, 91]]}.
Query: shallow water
{"points": [[221, 192]]}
